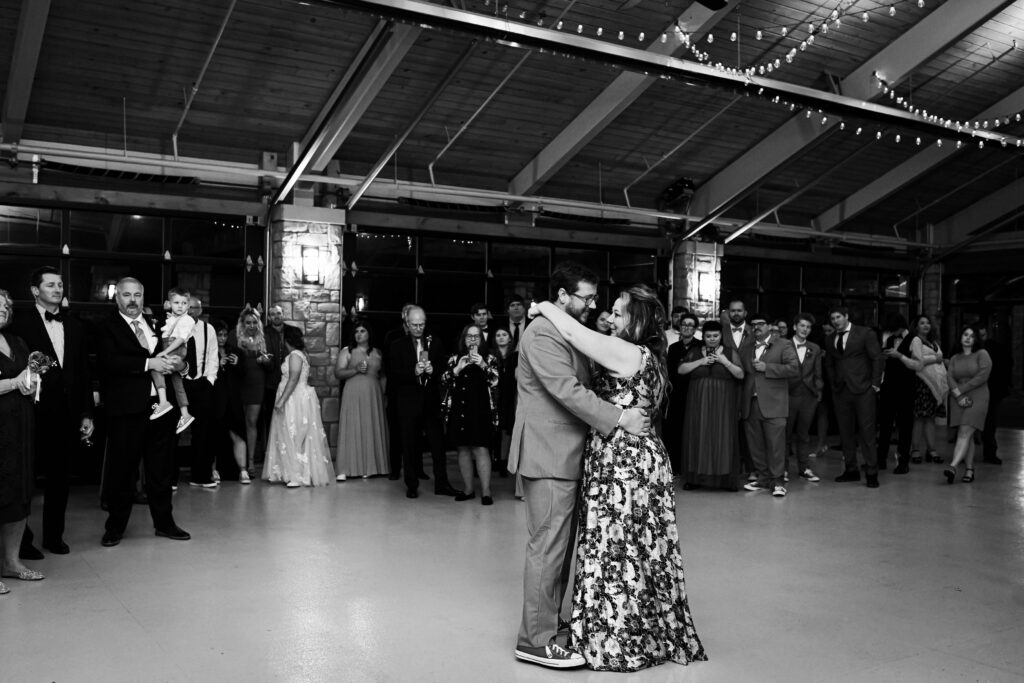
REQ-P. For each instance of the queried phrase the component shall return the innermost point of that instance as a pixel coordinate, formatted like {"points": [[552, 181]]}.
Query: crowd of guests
{"points": [[748, 389], [745, 393]]}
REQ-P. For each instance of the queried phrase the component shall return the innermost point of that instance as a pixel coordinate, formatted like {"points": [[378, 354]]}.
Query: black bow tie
{"points": [[53, 316], [800, 346]]}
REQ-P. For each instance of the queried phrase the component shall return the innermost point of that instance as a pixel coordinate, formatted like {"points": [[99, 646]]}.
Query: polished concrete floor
{"points": [[915, 581]]}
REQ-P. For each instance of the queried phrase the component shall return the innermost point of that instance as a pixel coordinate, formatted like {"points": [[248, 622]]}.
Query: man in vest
{"points": [[200, 375]]}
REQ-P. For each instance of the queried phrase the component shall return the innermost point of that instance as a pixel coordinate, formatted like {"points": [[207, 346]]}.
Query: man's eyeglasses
{"points": [[587, 300], [417, 326], [472, 336]]}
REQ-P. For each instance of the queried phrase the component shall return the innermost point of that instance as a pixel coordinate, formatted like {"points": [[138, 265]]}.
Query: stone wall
{"points": [[314, 308]]}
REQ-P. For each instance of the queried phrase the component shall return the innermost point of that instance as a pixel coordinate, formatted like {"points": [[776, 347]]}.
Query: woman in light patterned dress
{"points": [[297, 451], [630, 609]]}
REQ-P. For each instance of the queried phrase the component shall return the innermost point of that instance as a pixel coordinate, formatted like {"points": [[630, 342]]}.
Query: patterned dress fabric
{"points": [[630, 609], [297, 449], [362, 428], [16, 437]]}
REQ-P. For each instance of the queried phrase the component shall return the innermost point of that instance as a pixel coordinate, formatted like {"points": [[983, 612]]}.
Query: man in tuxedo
{"points": [[394, 428], [202, 363], [804, 396], [481, 317], [515, 308], [854, 363], [417, 361], [64, 411], [768, 365], [737, 335], [127, 353], [555, 410]]}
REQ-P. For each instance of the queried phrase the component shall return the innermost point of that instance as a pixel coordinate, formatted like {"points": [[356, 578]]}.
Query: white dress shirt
{"points": [[207, 369], [55, 331]]}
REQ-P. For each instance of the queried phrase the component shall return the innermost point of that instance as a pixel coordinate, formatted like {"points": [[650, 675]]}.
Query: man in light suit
{"points": [[768, 364], [804, 396], [64, 411], [127, 353], [555, 409], [854, 363]]}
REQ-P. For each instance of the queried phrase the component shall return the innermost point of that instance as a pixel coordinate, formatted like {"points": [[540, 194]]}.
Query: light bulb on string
{"points": [[878, 135], [785, 31], [920, 3], [732, 36], [897, 137], [959, 144], [981, 144], [810, 40], [559, 26], [622, 35], [664, 37], [600, 30], [859, 129], [824, 120], [938, 143], [864, 17], [579, 29], [918, 141], [892, 10], [759, 35], [842, 125], [803, 45], [641, 36], [711, 38]]}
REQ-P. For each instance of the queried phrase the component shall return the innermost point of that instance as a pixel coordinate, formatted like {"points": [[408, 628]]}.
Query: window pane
{"points": [[863, 311], [780, 276], [895, 284], [93, 280], [818, 306], [499, 290], [217, 237], [219, 286], [777, 305], [519, 259], [629, 268], [30, 226], [439, 253], [16, 274], [597, 261], [821, 280], [451, 293], [116, 232], [382, 291], [387, 251], [737, 275], [860, 282]]}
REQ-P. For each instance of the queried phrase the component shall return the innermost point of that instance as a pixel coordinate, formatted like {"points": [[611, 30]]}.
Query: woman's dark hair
{"points": [[689, 316], [463, 349], [219, 325], [711, 326], [356, 324], [293, 337], [917, 319], [567, 275], [493, 346], [979, 343], [645, 322]]}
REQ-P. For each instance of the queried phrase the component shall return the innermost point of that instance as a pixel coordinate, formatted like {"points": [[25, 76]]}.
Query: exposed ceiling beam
{"points": [[378, 58], [27, 43], [606, 107], [904, 174], [980, 214], [894, 63]]}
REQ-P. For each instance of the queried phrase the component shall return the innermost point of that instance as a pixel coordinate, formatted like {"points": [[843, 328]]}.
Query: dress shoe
{"points": [[992, 460], [110, 539], [902, 468], [4, 590], [394, 477], [849, 475], [486, 500], [174, 532], [23, 575], [30, 552], [412, 493], [446, 491], [57, 547], [461, 496], [872, 480], [950, 474]]}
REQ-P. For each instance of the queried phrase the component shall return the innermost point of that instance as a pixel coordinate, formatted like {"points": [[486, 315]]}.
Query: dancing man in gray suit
{"points": [[554, 412]]}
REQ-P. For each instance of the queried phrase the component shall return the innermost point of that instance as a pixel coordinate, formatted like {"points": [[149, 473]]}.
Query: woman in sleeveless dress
{"points": [[630, 609], [968, 373], [297, 450], [362, 429]]}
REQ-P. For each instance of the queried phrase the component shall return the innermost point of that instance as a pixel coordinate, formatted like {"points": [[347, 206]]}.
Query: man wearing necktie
{"points": [[64, 411], [804, 396], [768, 364], [515, 307], [853, 364], [127, 354]]}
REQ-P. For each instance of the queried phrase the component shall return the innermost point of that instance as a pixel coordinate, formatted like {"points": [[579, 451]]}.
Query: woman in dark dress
{"points": [[470, 410], [711, 453], [248, 336], [16, 436], [675, 404], [507, 357], [228, 414]]}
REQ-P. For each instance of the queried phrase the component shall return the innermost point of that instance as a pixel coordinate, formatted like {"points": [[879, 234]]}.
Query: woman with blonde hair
{"points": [[248, 337]]}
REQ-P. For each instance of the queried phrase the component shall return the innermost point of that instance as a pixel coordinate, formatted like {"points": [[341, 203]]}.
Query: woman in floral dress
{"points": [[630, 609]]}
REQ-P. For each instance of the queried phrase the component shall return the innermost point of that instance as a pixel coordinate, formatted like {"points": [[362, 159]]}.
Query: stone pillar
{"points": [[696, 277], [313, 235]]}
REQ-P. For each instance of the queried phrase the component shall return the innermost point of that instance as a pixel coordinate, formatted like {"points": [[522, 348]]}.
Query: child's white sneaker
{"points": [[183, 423], [161, 409]]}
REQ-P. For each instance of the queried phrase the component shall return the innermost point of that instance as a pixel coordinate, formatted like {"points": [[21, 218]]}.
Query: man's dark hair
{"points": [[568, 275], [38, 273], [841, 310], [475, 308], [513, 299], [804, 316]]}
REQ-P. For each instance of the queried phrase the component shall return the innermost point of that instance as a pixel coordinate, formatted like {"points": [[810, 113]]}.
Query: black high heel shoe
{"points": [[950, 474], [932, 456], [968, 475]]}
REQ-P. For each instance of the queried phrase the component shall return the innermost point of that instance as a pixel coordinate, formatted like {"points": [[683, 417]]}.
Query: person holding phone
{"points": [[469, 408]]}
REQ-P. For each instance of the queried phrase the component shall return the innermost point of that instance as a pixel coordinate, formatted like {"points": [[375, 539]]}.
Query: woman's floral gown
{"points": [[629, 601]]}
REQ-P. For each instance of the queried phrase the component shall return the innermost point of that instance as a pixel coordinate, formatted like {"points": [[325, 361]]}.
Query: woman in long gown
{"points": [[630, 609], [16, 436], [968, 374], [711, 452], [362, 429], [297, 450]]}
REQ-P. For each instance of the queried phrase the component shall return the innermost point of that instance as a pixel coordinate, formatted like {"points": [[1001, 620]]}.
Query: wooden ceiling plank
{"points": [[905, 173], [27, 44], [926, 38], [607, 106]]}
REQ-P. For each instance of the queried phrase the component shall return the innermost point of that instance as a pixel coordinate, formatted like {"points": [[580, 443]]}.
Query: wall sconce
{"points": [[111, 290], [362, 303], [248, 263], [311, 271], [259, 264]]}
